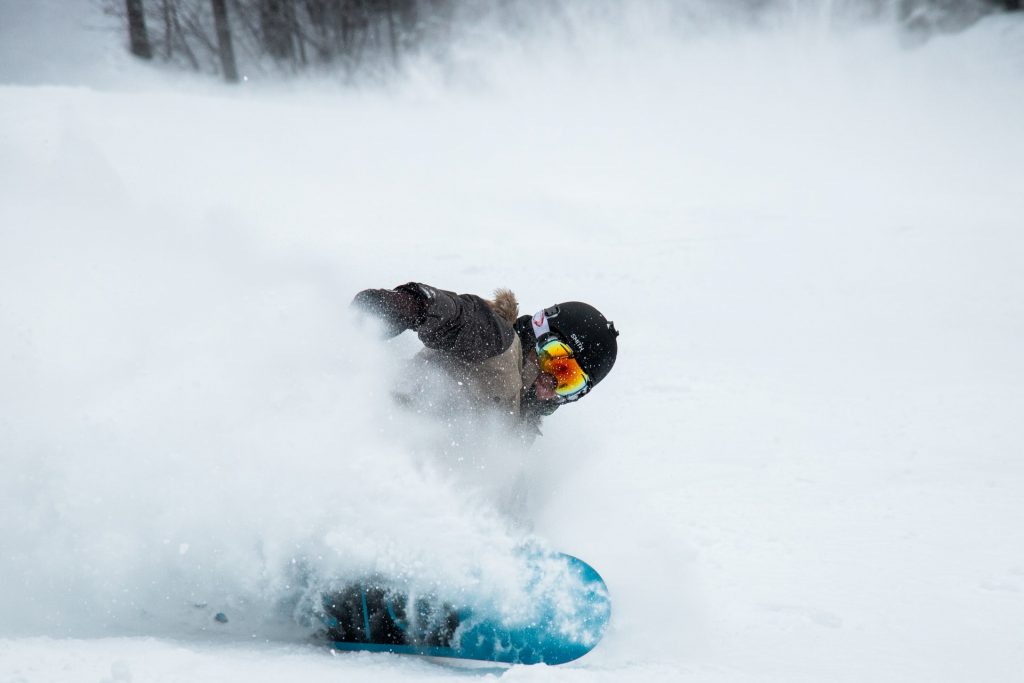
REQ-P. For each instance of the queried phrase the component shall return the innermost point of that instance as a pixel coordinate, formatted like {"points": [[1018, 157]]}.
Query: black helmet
{"points": [[582, 327]]}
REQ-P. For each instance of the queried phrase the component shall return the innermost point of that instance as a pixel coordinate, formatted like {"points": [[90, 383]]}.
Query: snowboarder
{"points": [[525, 367]]}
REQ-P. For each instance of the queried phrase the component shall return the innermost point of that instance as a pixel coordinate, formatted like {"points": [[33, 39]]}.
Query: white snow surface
{"points": [[806, 465]]}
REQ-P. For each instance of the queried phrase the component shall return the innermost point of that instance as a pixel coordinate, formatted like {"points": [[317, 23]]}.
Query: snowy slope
{"points": [[805, 467]]}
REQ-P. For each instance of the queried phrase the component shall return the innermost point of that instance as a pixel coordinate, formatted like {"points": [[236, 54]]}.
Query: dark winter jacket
{"points": [[475, 342]]}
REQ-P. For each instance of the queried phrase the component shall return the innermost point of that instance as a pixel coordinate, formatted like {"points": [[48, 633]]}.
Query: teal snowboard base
{"points": [[568, 613]]}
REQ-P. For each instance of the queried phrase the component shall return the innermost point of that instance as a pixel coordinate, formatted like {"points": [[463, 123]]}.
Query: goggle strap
{"points": [[540, 324]]}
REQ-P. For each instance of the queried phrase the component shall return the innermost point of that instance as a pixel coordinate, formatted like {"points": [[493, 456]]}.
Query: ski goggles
{"points": [[556, 358]]}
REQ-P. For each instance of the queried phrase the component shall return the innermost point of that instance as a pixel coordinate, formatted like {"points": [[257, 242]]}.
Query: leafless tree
{"points": [[224, 46], [137, 33]]}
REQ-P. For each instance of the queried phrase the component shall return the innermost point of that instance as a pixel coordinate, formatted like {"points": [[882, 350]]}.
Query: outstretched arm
{"points": [[463, 325]]}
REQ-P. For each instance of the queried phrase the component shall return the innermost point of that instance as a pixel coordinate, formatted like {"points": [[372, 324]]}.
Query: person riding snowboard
{"points": [[523, 367]]}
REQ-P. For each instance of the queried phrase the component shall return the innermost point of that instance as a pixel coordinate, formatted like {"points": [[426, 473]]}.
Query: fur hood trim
{"points": [[505, 304]]}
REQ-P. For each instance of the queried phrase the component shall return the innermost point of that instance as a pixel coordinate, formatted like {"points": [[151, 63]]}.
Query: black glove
{"points": [[399, 309]]}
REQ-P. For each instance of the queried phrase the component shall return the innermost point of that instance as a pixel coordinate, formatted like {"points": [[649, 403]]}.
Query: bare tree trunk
{"points": [[183, 40], [389, 8], [224, 46], [318, 12], [276, 30], [300, 39], [346, 29], [137, 30], [168, 29]]}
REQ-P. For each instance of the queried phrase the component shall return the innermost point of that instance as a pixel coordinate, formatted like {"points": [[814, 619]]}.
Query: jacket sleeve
{"points": [[463, 325]]}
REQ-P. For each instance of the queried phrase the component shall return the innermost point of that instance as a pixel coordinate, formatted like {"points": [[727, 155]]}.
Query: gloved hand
{"points": [[399, 309]]}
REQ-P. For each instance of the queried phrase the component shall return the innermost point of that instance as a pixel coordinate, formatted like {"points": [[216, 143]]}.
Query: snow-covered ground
{"points": [[806, 466]]}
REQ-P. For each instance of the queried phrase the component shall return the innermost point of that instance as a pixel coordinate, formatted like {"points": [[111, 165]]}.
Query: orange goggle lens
{"points": [[555, 358]]}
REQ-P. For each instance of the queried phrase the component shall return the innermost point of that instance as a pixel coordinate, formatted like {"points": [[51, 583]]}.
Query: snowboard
{"points": [[568, 611]]}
